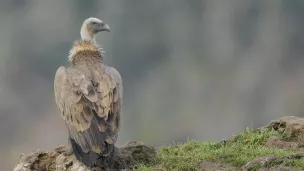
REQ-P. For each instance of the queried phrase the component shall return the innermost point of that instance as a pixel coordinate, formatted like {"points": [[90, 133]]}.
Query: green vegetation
{"points": [[241, 149]]}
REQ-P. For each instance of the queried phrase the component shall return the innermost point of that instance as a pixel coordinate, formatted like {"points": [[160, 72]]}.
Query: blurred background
{"points": [[199, 69]]}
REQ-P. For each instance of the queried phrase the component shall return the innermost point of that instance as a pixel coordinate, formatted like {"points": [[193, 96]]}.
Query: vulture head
{"points": [[92, 26]]}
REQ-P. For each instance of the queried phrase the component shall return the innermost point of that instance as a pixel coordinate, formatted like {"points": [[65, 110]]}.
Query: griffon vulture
{"points": [[88, 94]]}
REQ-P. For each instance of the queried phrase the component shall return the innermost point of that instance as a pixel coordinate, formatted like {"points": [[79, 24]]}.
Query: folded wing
{"points": [[90, 104]]}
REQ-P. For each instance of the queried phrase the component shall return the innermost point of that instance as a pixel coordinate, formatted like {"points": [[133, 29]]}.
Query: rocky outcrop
{"points": [[56, 160], [291, 131]]}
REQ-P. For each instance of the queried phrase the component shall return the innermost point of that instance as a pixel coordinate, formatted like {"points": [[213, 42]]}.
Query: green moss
{"points": [[243, 147]]}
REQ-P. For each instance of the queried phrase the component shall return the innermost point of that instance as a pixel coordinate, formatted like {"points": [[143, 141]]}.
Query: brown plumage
{"points": [[88, 95]]}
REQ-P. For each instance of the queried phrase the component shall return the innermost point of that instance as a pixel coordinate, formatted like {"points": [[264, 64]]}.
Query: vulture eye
{"points": [[94, 23]]}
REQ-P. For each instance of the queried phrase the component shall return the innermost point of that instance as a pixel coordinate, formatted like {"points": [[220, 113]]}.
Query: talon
{"points": [[69, 152]]}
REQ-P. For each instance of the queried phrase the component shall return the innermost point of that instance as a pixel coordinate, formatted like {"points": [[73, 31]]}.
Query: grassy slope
{"points": [[243, 148]]}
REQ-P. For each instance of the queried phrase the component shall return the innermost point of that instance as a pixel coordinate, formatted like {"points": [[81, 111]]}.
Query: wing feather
{"points": [[90, 104]]}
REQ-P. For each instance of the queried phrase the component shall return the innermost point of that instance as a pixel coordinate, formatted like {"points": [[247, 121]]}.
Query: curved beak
{"points": [[104, 27]]}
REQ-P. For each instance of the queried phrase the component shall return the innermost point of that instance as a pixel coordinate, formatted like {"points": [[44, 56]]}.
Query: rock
{"points": [[261, 162], [272, 163], [292, 128], [124, 158], [275, 142]]}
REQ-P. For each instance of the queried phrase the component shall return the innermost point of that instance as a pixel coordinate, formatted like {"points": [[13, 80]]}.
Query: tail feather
{"points": [[91, 159]]}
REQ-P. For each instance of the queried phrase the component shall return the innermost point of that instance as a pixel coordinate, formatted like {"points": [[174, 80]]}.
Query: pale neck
{"points": [[85, 34]]}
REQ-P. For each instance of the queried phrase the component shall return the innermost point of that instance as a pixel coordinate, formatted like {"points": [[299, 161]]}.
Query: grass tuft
{"points": [[243, 148]]}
